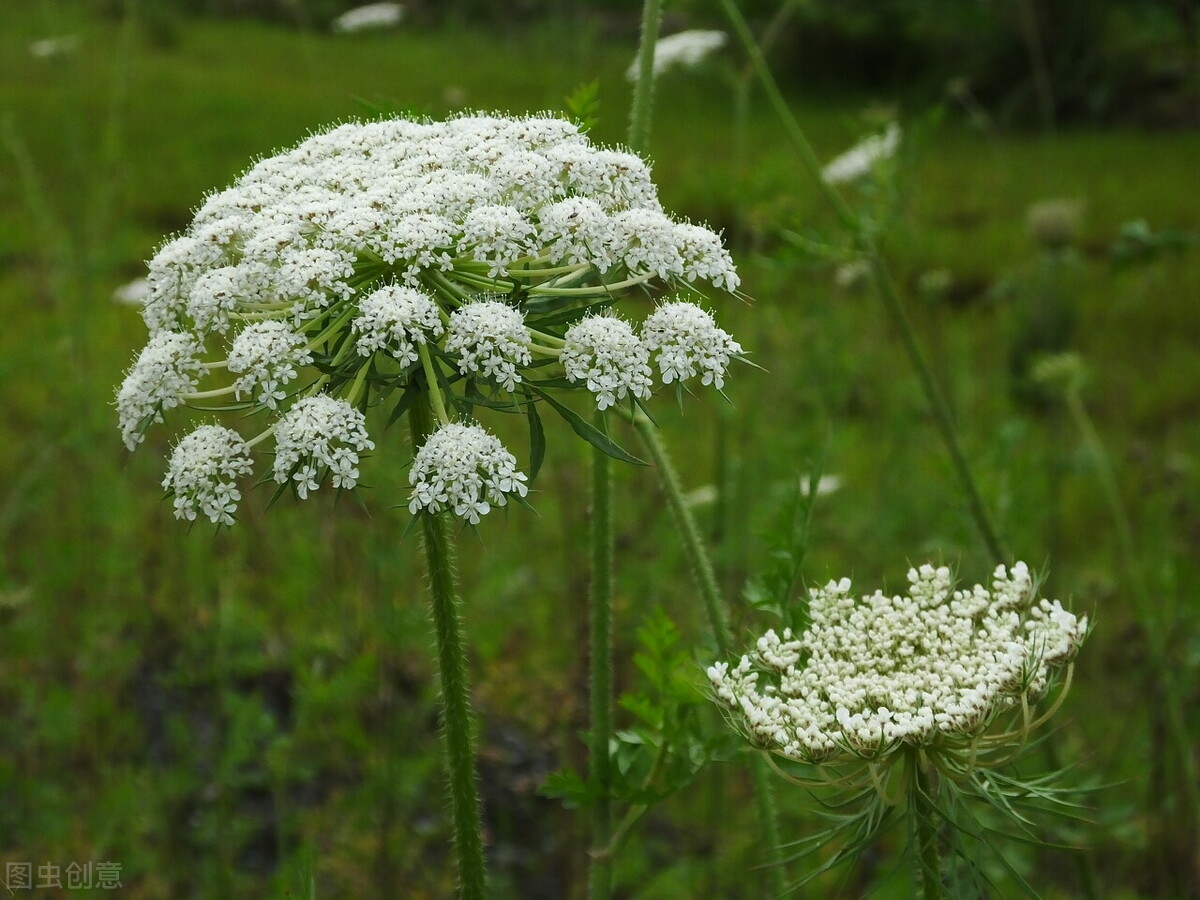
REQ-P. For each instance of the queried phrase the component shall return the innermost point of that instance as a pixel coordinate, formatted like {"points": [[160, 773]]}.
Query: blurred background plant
{"points": [[251, 714]]}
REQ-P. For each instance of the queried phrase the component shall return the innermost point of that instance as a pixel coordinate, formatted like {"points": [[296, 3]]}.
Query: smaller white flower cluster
{"points": [[168, 367], [684, 50], [396, 319], [938, 665], [465, 469], [320, 433], [684, 341], [860, 159], [266, 355], [490, 339], [203, 473], [604, 352]]}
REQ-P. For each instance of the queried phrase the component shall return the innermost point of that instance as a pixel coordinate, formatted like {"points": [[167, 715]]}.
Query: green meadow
{"points": [[252, 712]]}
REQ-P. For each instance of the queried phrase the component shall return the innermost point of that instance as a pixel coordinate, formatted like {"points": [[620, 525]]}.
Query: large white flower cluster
{"points": [[935, 667], [402, 254]]}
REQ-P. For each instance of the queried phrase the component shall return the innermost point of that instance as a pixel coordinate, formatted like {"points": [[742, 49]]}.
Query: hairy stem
{"points": [[457, 738], [600, 871], [702, 573], [929, 866], [643, 87]]}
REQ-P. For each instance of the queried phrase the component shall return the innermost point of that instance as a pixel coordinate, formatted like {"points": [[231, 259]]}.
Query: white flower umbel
{"points": [[167, 368], [371, 16], [266, 355], [860, 159], [464, 469], [604, 352], [203, 474], [316, 434], [933, 669], [490, 340], [684, 340], [396, 319], [684, 50]]}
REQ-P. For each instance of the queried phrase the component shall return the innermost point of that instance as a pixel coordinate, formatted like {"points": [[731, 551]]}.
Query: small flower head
{"points": [[168, 367], [684, 340], [317, 434], [604, 352], [396, 319], [203, 472], [266, 355], [490, 340], [862, 158], [465, 469], [932, 669]]}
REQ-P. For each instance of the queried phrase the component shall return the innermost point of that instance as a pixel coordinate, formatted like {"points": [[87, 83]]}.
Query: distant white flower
{"points": [[266, 355], [684, 340], [490, 340], [684, 50], [133, 293], [320, 433], [464, 469], [396, 319], [48, 48], [932, 669], [373, 15], [203, 473], [860, 159], [167, 368], [852, 275], [604, 352]]}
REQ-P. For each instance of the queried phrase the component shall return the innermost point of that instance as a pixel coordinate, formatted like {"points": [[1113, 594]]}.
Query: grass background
{"points": [[251, 713]]}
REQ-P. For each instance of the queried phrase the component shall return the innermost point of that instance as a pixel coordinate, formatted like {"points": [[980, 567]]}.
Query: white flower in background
{"points": [[320, 433], [464, 469], [604, 352], [48, 48], [133, 293], [683, 340], [396, 319], [932, 669], [203, 474], [373, 15], [490, 340], [862, 158], [684, 50], [167, 368], [266, 355]]}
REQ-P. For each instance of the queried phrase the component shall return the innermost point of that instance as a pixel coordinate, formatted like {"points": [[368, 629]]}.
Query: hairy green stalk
{"points": [[643, 87], [600, 869], [865, 243], [701, 568], [457, 738]]}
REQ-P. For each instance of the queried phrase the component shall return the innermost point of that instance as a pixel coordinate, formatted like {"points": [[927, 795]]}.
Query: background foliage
{"points": [[251, 714]]}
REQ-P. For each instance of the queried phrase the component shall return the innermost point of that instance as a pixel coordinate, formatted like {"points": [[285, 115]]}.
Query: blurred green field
{"points": [[252, 713]]}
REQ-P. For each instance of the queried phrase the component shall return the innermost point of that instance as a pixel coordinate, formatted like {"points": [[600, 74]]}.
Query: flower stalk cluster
{"points": [[934, 670], [474, 261]]}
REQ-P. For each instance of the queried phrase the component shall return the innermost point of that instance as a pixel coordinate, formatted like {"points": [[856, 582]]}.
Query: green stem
{"points": [[702, 573], [643, 87], [929, 869], [600, 870], [457, 722], [887, 290]]}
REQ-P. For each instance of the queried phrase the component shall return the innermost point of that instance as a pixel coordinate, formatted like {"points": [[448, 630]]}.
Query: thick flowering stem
{"points": [[452, 677], [600, 873], [643, 87], [718, 619], [929, 866]]}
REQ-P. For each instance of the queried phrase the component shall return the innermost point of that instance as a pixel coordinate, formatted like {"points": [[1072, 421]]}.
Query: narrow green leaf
{"points": [[537, 439], [588, 432]]}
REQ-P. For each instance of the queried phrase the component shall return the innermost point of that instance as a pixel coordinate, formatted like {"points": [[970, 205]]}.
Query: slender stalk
{"points": [[457, 738], [643, 87], [929, 866], [600, 870], [702, 573], [883, 282]]}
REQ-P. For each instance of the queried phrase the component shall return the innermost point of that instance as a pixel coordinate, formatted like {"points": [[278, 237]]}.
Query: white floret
{"points": [[490, 340], [466, 470], [605, 354], [320, 434], [203, 472], [684, 341]]}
